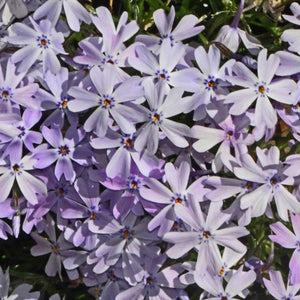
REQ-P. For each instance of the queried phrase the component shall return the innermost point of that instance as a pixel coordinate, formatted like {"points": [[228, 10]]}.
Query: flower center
{"points": [[126, 234], [127, 141], [161, 75], [16, 168], [222, 271], [5, 94], [22, 133], [97, 292], [261, 89], [63, 150], [178, 200], [107, 102], [206, 234], [60, 191], [93, 216], [211, 84], [229, 134], [43, 41]]}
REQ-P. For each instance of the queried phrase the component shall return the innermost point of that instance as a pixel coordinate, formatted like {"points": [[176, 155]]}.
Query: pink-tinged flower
{"points": [[13, 91], [74, 11], [112, 99], [173, 199], [16, 169], [260, 88], [270, 176], [292, 36], [185, 29], [277, 288], [42, 43], [57, 247], [231, 35], [205, 235], [161, 108], [213, 284], [287, 239], [64, 150]]}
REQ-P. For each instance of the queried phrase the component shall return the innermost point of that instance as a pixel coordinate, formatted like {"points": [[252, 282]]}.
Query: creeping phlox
{"points": [[136, 167]]}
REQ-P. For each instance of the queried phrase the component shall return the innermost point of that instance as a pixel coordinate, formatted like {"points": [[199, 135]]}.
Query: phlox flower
{"points": [[42, 43], [13, 91], [173, 199], [12, 8], [57, 247], [74, 11], [185, 29], [231, 35], [268, 173], [19, 133], [157, 282], [112, 99], [292, 35], [120, 160], [16, 169], [57, 100], [239, 281], [162, 107], [205, 235], [287, 239], [276, 287], [207, 83], [64, 151], [260, 88]]}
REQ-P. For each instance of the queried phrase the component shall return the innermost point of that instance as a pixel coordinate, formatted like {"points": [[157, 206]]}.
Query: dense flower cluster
{"points": [[127, 157]]}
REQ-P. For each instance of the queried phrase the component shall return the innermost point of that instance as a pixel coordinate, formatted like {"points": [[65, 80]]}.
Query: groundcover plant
{"points": [[149, 154]]}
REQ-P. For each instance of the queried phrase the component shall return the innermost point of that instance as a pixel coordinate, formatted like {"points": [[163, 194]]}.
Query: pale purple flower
{"points": [[16, 169], [64, 151], [185, 29], [269, 174], [231, 35], [162, 107], [205, 235], [277, 289], [40, 43], [287, 239], [260, 88], [13, 91], [74, 11], [112, 99], [213, 284], [57, 247], [174, 199]]}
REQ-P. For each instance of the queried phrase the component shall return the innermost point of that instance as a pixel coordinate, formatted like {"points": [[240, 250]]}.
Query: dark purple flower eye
{"points": [[63, 150]]}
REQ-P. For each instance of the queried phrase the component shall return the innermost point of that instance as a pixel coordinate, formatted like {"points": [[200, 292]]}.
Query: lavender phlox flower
{"points": [[74, 11], [207, 83], [231, 134], [13, 91], [231, 35], [205, 235], [16, 169], [277, 289], [269, 174], [162, 107], [125, 241], [185, 29], [287, 239], [19, 133], [213, 284], [260, 88], [120, 160], [113, 99], [64, 151], [20, 292], [58, 84], [292, 35], [158, 69], [157, 282], [12, 8], [107, 285], [57, 247], [173, 199], [42, 43]]}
